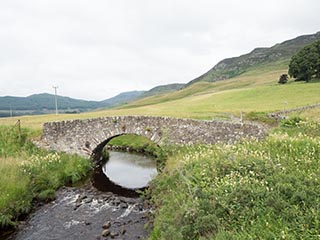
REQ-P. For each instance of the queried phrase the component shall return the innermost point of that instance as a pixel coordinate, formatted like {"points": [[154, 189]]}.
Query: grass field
{"points": [[311, 114], [254, 91]]}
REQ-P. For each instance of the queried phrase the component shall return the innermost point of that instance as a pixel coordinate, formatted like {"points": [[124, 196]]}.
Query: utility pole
{"points": [[10, 110], [55, 98]]}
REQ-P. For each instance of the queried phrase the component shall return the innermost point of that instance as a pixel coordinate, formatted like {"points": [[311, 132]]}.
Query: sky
{"points": [[96, 49]]}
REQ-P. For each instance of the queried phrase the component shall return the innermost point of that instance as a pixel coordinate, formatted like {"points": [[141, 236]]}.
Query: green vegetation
{"points": [[135, 142], [28, 173], [251, 190], [283, 79], [141, 144], [310, 114], [163, 89], [207, 104], [306, 63], [260, 117], [39, 102]]}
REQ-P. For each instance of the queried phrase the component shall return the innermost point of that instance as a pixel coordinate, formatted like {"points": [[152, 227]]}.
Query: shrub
{"points": [[283, 79]]}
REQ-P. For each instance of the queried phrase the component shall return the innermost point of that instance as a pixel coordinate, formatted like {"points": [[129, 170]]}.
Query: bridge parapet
{"points": [[79, 136]]}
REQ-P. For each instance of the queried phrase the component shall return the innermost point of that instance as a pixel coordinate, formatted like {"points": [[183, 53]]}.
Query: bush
{"points": [[283, 79]]}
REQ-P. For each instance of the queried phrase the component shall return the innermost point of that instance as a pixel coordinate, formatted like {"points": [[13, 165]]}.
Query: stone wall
{"points": [[283, 114], [83, 136]]}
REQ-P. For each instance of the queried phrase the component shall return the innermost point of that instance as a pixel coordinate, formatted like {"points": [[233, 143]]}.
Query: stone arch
{"points": [[101, 145], [100, 180], [82, 136], [96, 152]]}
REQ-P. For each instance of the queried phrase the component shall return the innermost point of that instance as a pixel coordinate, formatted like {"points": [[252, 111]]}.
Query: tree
{"points": [[305, 64], [283, 79]]}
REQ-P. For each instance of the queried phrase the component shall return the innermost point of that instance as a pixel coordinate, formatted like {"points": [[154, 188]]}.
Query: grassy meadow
{"points": [[250, 190], [311, 114]]}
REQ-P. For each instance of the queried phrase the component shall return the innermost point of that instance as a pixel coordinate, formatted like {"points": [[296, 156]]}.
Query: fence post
{"points": [[18, 124]]}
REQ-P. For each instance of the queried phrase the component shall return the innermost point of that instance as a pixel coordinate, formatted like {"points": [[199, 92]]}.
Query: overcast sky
{"points": [[95, 49]]}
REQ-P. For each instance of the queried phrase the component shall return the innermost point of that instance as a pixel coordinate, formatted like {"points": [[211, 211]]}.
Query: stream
{"points": [[106, 208]]}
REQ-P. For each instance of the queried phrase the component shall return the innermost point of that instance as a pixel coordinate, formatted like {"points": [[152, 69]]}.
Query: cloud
{"points": [[97, 49]]}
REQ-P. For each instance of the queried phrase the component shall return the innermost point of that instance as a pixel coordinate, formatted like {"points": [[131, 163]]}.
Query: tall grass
{"points": [[252, 190], [28, 173], [15, 197]]}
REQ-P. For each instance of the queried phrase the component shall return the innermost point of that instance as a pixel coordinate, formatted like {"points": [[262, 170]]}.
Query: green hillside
{"points": [[256, 90], [163, 89], [44, 103], [262, 66], [122, 98], [259, 93], [236, 66], [262, 75]]}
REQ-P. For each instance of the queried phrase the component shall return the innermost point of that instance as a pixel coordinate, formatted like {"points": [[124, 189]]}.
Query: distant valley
{"points": [[275, 57], [44, 103]]}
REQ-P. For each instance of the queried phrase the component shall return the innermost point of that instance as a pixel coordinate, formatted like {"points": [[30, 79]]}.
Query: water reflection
{"points": [[130, 170]]}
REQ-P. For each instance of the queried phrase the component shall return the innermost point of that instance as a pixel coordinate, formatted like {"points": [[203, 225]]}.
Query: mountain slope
{"points": [[45, 101], [122, 98], [235, 66], [260, 68], [163, 89]]}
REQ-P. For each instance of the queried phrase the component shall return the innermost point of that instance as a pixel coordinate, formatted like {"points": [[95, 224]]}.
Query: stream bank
{"points": [[97, 209], [86, 213]]}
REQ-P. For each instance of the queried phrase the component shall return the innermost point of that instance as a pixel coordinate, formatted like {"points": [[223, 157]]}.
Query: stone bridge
{"points": [[86, 136]]}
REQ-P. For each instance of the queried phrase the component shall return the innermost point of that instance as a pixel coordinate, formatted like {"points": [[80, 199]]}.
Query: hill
{"points": [[122, 98], [43, 103], [272, 61], [128, 97], [163, 89], [254, 93], [236, 66], [260, 61]]}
